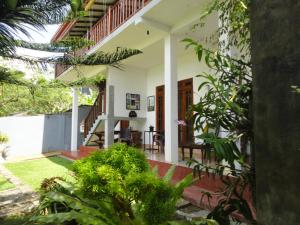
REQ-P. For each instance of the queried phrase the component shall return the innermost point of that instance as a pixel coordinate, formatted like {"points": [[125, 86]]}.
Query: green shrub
{"points": [[156, 199], [115, 186], [120, 157], [103, 173]]}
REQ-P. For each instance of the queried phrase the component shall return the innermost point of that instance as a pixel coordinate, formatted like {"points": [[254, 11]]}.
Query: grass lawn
{"points": [[33, 172], [5, 184]]}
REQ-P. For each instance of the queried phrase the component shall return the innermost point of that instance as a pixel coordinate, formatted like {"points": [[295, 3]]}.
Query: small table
{"points": [[150, 138]]}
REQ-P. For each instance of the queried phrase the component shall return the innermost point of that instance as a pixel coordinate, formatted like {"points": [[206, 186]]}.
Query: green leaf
{"points": [[168, 176]]}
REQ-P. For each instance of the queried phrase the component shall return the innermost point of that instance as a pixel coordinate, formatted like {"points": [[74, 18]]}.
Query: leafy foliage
{"points": [[17, 15], [9, 76], [226, 103], [113, 187], [40, 96], [234, 18], [226, 107], [232, 198]]}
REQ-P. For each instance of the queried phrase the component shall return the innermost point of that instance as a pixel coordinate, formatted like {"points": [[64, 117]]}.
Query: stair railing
{"points": [[97, 109]]}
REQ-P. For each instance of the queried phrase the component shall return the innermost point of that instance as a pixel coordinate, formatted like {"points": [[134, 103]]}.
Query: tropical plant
{"points": [[234, 196], [115, 186], [39, 95], [226, 107], [17, 15]]}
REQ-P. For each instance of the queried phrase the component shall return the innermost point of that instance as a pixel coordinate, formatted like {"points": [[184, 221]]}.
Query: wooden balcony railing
{"points": [[97, 109], [115, 16]]}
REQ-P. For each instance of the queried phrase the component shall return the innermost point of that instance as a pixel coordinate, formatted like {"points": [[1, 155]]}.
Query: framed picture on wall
{"points": [[150, 103], [133, 101]]}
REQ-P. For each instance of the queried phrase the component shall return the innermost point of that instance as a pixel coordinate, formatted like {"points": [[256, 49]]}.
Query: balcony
{"points": [[115, 15]]}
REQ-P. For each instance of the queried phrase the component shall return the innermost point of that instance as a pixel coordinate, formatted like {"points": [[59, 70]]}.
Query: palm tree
{"points": [[17, 15]]}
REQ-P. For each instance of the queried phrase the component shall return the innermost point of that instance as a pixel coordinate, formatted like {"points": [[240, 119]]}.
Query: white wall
{"points": [[31, 135], [128, 80], [25, 134]]}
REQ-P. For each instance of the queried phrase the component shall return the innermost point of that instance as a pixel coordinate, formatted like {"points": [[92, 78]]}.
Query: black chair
{"points": [[159, 140]]}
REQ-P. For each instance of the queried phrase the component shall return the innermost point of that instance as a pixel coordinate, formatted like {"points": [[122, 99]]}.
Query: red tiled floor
{"points": [[194, 193], [75, 155]]}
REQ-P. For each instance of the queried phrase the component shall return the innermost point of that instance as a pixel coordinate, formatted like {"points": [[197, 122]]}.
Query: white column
{"points": [[74, 131], [171, 100], [109, 122]]}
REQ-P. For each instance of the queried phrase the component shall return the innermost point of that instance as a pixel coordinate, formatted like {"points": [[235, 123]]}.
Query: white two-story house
{"points": [[159, 84]]}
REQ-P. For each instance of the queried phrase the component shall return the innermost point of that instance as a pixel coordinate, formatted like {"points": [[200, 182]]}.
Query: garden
{"points": [[253, 100], [117, 186]]}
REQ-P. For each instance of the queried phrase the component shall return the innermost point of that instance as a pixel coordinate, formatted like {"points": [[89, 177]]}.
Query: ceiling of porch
{"points": [[153, 53]]}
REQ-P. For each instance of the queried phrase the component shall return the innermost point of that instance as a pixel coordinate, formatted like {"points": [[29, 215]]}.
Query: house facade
{"points": [[159, 84]]}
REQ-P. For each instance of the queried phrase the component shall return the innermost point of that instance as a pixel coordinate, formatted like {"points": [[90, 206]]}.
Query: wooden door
{"points": [[160, 108], [124, 124], [185, 100]]}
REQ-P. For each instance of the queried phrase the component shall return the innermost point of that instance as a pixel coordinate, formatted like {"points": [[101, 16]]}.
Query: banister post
{"points": [[109, 20], [134, 8]]}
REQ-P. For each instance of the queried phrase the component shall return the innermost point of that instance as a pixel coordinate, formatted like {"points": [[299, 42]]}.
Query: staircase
{"points": [[94, 122]]}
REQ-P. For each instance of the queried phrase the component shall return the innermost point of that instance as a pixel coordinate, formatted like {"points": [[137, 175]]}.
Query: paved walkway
{"points": [[21, 199]]}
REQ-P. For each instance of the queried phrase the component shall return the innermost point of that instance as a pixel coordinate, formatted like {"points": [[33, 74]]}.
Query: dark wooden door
{"points": [[160, 108], [185, 100], [124, 124]]}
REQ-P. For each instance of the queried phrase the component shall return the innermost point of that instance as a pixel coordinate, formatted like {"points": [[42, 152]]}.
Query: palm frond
{"points": [[50, 11], [99, 58], [113, 59], [49, 47], [26, 14]]}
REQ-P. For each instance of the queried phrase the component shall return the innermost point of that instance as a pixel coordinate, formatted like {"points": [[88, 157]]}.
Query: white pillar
{"points": [[109, 122], [171, 100], [74, 131]]}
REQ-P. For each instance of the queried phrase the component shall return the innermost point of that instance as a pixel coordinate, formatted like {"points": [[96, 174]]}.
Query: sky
{"points": [[36, 37], [41, 36]]}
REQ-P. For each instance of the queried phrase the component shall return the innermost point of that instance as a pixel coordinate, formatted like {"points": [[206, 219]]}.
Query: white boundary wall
{"points": [[31, 135], [25, 134]]}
